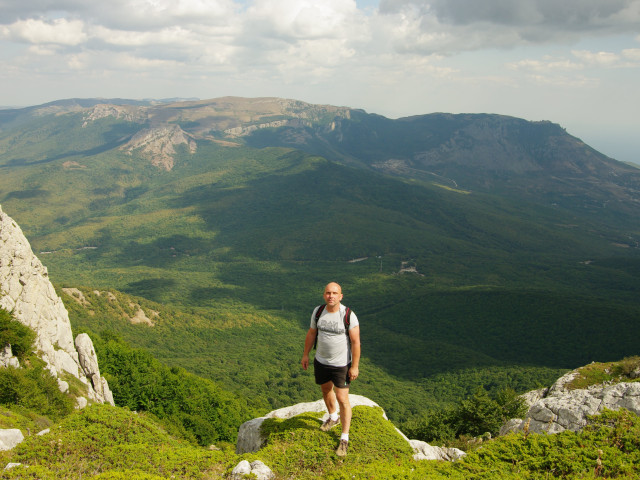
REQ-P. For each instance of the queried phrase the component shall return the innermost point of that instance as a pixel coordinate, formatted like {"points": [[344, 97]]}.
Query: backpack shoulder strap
{"points": [[347, 319], [319, 310]]}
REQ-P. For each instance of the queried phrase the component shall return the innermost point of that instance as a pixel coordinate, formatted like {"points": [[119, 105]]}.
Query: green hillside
{"points": [[234, 244], [103, 442], [170, 424]]}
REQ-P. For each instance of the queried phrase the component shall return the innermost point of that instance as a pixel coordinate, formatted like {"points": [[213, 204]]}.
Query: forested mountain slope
{"points": [[463, 264]]}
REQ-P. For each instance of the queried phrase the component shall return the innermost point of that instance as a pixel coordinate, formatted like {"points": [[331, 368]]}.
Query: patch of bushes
{"points": [[111, 442], [192, 407], [609, 447], [14, 333], [475, 416], [31, 388], [34, 389], [104, 442]]}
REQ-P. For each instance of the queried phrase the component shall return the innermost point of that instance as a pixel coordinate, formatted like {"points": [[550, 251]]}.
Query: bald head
{"points": [[332, 296]]}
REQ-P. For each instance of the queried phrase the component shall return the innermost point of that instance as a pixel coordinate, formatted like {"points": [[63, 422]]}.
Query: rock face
{"points": [[9, 438], [159, 144], [256, 468], [424, 451], [558, 408], [7, 359], [25, 290], [251, 440]]}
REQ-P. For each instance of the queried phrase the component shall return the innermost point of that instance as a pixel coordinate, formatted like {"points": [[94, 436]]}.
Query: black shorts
{"points": [[326, 373]]}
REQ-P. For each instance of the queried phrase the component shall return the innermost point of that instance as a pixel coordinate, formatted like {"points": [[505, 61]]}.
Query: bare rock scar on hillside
{"points": [[158, 144]]}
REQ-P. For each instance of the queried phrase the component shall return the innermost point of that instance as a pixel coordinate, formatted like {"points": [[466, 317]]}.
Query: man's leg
{"points": [[342, 395], [329, 397], [330, 401]]}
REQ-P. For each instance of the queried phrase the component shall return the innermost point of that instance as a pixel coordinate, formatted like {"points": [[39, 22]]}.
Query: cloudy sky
{"points": [[574, 62]]}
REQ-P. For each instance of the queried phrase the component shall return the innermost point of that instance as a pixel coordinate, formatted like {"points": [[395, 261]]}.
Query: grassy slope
{"points": [[103, 442]]}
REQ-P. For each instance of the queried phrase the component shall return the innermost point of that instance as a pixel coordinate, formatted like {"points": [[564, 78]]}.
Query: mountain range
{"points": [[479, 250]]}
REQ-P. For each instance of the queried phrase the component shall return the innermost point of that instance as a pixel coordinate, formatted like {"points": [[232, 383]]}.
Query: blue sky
{"points": [[573, 62]]}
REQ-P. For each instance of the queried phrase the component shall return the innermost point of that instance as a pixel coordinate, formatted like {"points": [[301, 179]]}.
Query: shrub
{"points": [[609, 447], [112, 443], [34, 389], [14, 333], [474, 416], [193, 407]]}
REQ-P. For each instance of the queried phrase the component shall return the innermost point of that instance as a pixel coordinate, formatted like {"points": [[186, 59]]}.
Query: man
{"points": [[336, 361]]}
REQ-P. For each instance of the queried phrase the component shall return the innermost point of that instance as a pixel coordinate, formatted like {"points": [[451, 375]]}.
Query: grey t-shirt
{"points": [[333, 347]]}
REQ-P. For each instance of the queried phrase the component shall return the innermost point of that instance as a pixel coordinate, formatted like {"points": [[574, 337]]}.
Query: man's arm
{"points": [[308, 345], [354, 336]]}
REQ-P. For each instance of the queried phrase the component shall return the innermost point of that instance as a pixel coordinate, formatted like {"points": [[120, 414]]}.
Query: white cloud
{"points": [[167, 36], [626, 58], [145, 14], [43, 50], [602, 59], [545, 65], [303, 19], [35, 31], [471, 24], [632, 54]]}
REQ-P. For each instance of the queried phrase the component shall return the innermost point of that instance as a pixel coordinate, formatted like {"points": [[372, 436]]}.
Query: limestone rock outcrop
{"points": [[250, 438], [9, 438], [89, 363], [424, 451], [256, 468], [158, 144], [26, 291], [6, 357], [558, 408]]}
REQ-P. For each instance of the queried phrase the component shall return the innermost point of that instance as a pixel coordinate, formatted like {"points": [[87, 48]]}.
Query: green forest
{"points": [[234, 245], [467, 295]]}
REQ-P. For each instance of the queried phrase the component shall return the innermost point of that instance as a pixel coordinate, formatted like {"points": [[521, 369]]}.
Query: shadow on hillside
{"points": [[152, 288], [27, 194], [113, 138]]}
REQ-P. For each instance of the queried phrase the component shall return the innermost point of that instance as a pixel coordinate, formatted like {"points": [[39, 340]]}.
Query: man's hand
{"points": [[309, 340], [353, 373]]}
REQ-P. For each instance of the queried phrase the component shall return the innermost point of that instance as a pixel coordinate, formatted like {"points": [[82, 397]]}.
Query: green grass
{"points": [[611, 372], [103, 442]]}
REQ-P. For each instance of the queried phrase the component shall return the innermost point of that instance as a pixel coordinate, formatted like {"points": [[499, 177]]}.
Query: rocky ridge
{"points": [[561, 407], [26, 291], [162, 127], [129, 113], [139, 315]]}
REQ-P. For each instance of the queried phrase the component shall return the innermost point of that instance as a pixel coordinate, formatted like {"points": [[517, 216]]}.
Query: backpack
{"points": [[346, 319]]}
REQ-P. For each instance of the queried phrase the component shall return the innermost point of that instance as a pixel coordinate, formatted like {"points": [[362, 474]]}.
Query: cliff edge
{"points": [[26, 292]]}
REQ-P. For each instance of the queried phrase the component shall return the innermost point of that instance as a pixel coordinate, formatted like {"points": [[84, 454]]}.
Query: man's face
{"points": [[332, 294]]}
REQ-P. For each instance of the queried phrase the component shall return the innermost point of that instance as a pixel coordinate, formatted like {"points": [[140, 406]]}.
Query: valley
{"points": [[523, 240]]}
